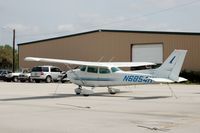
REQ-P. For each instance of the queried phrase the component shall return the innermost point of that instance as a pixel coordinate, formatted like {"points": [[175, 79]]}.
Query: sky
{"points": [[41, 19]]}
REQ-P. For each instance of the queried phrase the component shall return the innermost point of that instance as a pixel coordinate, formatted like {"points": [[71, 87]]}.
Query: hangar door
{"points": [[147, 53]]}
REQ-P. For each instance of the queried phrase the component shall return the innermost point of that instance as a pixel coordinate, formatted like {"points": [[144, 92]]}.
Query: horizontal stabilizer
{"points": [[162, 80], [181, 79], [165, 80]]}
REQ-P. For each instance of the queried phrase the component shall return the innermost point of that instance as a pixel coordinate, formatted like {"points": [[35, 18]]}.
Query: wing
{"points": [[162, 80], [86, 63], [128, 64]]}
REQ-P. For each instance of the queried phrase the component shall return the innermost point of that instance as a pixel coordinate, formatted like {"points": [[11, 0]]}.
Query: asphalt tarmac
{"points": [[54, 108]]}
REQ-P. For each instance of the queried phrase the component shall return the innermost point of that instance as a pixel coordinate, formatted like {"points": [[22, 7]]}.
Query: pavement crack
{"points": [[154, 128], [77, 106]]}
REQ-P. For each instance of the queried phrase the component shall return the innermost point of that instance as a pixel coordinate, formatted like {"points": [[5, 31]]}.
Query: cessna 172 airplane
{"points": [[108, 74]]}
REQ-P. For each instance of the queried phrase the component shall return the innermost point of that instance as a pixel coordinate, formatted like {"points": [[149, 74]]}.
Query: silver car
{"points": [[45, 73], [25, 76]]}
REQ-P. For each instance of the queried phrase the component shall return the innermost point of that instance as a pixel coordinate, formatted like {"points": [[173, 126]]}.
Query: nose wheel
{"points": [[78, 90]]}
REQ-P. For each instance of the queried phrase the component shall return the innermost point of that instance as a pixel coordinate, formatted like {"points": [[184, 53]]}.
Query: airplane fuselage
{"points": [[118, 78]]}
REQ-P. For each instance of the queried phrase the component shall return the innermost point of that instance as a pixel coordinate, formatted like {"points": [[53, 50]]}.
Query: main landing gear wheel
{"points": [[113, 91], [86, 92], [83, 91], [86, 95]]}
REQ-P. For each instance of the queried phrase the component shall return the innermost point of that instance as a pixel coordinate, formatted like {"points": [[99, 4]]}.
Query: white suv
{"points": [[45, 73]]}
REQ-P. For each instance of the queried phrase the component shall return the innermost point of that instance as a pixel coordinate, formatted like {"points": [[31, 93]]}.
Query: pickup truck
{"points": [[3, 73], [12, 77], [25, 76], [18, 76]]}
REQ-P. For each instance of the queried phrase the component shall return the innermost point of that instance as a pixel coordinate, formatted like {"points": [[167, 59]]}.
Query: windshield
{"points": [[83, 68]]}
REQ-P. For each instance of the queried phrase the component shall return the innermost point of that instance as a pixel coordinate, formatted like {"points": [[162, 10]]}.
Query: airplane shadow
{"points": [[105, 94], [39, 97], [197, 93], [98, 94], [149, 97], [53, 96]]}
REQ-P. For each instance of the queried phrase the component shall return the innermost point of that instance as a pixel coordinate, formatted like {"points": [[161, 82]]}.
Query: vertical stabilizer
{"points": [[172, 66]]}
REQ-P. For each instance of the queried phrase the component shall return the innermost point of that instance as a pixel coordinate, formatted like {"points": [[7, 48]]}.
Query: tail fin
{"points": [[171, 68]]}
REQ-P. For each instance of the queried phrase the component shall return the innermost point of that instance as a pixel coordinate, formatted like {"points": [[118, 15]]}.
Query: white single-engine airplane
{"points": [[108, 74]]}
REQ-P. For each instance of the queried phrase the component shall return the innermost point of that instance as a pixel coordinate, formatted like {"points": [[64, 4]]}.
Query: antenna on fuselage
{"points": [[100, 59], [111, 59]]}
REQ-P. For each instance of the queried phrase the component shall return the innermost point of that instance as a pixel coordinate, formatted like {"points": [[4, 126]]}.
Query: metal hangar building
{"points": [[114, 45]]}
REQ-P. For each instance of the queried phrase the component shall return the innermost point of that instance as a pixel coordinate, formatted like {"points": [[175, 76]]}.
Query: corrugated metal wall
{"points": [[110, 45]]}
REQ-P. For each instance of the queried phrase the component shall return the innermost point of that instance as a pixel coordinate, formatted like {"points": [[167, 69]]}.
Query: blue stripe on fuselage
{"points": [[94, 79]]}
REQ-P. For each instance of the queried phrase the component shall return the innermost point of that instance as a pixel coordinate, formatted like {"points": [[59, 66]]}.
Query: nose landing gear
{"points": [[78, 90]]}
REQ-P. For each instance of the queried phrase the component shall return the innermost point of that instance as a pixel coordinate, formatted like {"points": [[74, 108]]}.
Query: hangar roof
{"points": [[125, 31]]}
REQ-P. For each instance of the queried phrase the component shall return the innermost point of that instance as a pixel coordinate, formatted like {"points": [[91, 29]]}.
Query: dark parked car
{"points": [[3, 73]]}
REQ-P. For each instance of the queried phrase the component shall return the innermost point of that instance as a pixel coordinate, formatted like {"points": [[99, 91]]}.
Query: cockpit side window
{"points": [[92, 69], [104, 70], [115, 69], [83, 68]]}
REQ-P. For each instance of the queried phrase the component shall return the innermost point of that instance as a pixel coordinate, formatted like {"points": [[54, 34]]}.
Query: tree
{"points": [[6, 57]]}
